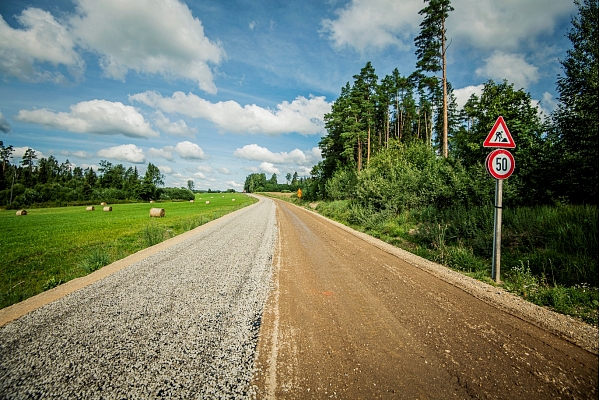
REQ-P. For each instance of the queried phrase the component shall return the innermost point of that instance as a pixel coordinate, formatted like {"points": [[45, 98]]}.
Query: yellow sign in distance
{"points": [[299, 193]]}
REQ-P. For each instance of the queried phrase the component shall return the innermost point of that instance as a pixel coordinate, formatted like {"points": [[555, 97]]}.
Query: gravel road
{"points": [[180, 323]]}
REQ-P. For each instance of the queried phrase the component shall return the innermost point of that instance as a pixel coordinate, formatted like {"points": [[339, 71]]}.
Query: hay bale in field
{"points": [[107, 209], [151, 201], [22, 212], [90, 208], [157, 212], [232, 199], [103, 204], [207, 202], [191, 201]]}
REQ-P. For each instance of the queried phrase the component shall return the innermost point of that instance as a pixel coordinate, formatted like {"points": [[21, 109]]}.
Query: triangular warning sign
{"points": [[499, 136]]}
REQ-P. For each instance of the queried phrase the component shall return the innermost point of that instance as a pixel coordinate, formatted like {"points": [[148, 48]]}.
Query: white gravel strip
{"points": [[182, 323]]}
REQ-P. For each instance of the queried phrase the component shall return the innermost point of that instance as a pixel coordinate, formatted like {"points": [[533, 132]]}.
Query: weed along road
{"points": [[348, 320], [274, 301]]}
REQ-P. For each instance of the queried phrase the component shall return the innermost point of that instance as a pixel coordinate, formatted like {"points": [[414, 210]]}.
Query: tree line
{"points": [[45, 181], [556, 155]]}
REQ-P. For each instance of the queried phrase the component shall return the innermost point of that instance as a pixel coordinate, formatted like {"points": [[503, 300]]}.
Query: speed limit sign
{"points": [[500, 164]]}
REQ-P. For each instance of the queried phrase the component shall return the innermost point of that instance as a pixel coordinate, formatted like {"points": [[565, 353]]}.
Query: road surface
{"points": [[348, 320], [277, 302]]}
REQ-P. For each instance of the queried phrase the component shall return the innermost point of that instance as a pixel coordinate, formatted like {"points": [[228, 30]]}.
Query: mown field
{"points": [[50, 246]]}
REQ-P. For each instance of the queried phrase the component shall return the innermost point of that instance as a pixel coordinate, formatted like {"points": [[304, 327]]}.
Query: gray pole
{"points": [[497, 232]]}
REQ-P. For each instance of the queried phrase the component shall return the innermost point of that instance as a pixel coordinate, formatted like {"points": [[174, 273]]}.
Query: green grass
{"points": [[50, 246]]}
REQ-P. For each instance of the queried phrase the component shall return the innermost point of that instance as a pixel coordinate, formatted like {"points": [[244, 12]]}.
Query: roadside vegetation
{"points": [[402, 162], [51, 246]]}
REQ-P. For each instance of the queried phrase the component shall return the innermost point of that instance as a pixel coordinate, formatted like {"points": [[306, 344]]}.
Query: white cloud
{"points": [[234, 184], [44, 40], [269, 168], [511, 67], [492, 24], [367, 24], [148, 36], [190, 151], [92, 166], [463, 94], [78, 154], [4, 125], [255, 152], [485, 24], [162, 153], [549, 102], [19, 152], [200, 175], [125, 152], [302, 115], [252, 25], [165, 169], [224, 171], [96, 116], [178, 128], [205, 169]]}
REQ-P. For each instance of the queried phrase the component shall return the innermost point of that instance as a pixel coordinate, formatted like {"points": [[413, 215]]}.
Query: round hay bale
{"points": [[107, 209], [103, 204], [232, 199], [191, 201], [22, 212], [151, 201], [90, 208], [207, 202], [157, 212]]}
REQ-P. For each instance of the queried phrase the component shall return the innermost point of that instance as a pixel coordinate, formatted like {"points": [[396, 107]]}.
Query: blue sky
{"points": [[215, 90]]}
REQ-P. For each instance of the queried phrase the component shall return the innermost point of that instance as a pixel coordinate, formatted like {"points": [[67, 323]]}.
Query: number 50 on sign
{"points": [[500, 164]]}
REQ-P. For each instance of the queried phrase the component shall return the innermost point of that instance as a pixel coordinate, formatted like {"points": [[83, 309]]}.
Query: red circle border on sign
{"points": [[489, 161]]}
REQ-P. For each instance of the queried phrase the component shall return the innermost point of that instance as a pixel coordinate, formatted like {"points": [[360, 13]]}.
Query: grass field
{"points": [[50, 246]]}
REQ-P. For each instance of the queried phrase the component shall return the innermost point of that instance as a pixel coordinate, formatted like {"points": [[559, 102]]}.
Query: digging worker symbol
{"points": [[499, 138]]}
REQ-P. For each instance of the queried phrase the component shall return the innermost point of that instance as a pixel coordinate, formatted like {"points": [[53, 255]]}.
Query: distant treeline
{"points": [[46, 182]]}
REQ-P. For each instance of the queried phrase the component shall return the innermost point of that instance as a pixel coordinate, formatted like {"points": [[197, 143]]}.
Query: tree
{"points": [[295, 179], [5, 154], [28, 159], [288, 178], [273, 180], [431, 51], [576, 118], [190, 185], [154, 176]]}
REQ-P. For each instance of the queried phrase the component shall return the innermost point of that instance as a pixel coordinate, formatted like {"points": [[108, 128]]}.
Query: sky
{"points": [[214, 90]]}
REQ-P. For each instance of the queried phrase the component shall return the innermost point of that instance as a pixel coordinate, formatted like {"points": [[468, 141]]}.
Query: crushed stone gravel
{"points": [[181, 323]]}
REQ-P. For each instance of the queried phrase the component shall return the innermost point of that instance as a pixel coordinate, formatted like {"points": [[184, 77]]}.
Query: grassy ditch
{"points": [[51, 246], [549, 254]]}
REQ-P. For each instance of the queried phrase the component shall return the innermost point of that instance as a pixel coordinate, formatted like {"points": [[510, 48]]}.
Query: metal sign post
{"points": [[500, 164], [497, 232]]}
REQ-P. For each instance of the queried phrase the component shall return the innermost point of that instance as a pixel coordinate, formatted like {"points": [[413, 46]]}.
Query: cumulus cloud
{"points": [[78, 154], [268, 168], [147, 36], [19, 152], [511, 67], [165, 169], [125, 152], [255, 152], [178, 128], [205, 169], [162, 153], [366, 24], [492, 24], [234, 184], [485, 24], [96, 116], [43, 40], [302, 115], [463, 94], [224, 171], [190, 151], [4, 125]]}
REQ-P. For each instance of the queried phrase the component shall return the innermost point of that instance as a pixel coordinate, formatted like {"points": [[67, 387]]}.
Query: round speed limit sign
{"points": [[500, 164]]}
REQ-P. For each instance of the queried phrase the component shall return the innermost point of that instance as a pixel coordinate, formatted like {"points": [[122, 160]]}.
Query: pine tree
{"points": [[431, 51]]}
